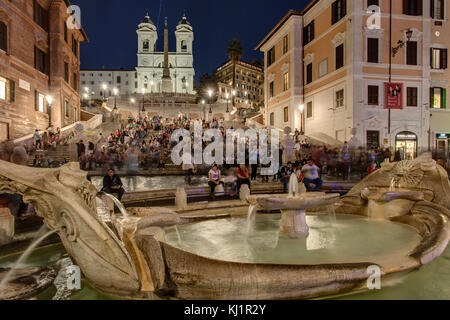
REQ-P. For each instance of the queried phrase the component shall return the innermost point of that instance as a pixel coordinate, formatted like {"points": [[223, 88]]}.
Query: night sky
{"points": [[111, 27]]}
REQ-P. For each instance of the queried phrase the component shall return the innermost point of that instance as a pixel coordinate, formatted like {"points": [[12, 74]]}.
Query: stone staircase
{"points": [[59, 154]]}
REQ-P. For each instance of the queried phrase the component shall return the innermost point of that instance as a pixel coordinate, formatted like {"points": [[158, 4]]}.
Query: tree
{"points": [[206, 82], [235, 52]]}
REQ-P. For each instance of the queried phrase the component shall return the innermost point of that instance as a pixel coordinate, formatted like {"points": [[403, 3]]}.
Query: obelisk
{"points": [[166, 79]]}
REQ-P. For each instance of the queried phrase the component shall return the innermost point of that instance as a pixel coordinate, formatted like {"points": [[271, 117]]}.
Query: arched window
{"points": [[3, 36], [183, 46], [146, 45]]}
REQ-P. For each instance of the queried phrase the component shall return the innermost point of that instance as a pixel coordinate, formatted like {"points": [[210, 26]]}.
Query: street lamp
{"points": [[143, 99], [104, 86], [49, 103], [402, 43], [227, 96], [116, 92], [210, 93], [302, 112]]}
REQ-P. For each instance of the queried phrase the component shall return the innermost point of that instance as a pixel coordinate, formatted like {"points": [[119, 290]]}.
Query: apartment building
{"points": [[39, 67], [249, 82], [283, 72], [373, 70]]}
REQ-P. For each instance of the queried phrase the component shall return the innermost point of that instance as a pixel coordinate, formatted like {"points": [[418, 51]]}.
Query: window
{"points": [[75, 82], [66, 37], [285, 44], [40, 16], [439, 58], [340, 98], [286, 81], [271, 56], [438, 98], [309, 110], [338, 10], [118, 79], [411, 97], [323, 68], [3, 36], [309, 73], [272, 119], [75, 115], [438, 9], [74, 46], [271, 92], [339, 56], [373, 3], [412, 7], [286, 114], [373, 95], [411, 53], [372, 50], [66, 108], [308, 33], [2, 88], [66, 72], [146, 45], [41, 62], [39, 103], [183, 46]]}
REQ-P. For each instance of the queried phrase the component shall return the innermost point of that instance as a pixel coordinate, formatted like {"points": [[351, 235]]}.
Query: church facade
{"points": [[150, 66]]}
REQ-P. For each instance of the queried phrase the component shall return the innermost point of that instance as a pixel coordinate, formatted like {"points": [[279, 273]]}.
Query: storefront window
{"points": [[406, 146]]}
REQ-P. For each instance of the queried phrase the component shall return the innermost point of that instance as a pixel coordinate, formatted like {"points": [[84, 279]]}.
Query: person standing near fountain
{"points": [[311, 173], [242, 175], [112, 184], [286, 173]]}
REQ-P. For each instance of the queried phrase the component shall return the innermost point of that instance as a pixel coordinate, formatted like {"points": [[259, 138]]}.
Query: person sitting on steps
{"points": [[311, 173], [215, 179]]}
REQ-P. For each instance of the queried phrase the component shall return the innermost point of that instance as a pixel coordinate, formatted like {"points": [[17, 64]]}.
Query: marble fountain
{"points": [[396, 219]]}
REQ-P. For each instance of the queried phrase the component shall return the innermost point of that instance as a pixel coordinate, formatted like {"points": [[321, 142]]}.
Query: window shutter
{"points": [[444, 58], [344, 8], [333, 13], [3, 36], [12, 91], [405, 6], [433, 13], [312, 30], [419, 7], [36, 102]]}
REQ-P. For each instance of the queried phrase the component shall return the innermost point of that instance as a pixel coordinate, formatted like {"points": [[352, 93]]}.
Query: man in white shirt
{"points": [[311, 179]]}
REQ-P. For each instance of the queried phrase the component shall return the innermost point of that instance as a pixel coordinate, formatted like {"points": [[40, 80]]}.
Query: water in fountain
{"points": [[119, 204], [251, 217], [293, 186], [332, 214], [25, 255], [178, 235]]}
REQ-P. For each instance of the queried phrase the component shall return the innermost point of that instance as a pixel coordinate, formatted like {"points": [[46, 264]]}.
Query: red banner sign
{"points": [[394, 96]]}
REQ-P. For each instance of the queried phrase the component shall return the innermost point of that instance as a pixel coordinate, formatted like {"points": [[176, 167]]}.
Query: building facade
{"points": [[374, 71], [148, 74], [39, 58], [249, 83], [100, 84], [283, 73]]}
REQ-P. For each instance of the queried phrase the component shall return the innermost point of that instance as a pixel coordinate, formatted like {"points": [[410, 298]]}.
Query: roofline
{"points": [[278, 26], [86, 39], [99, 70], [228, 61], [309, 6]]}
